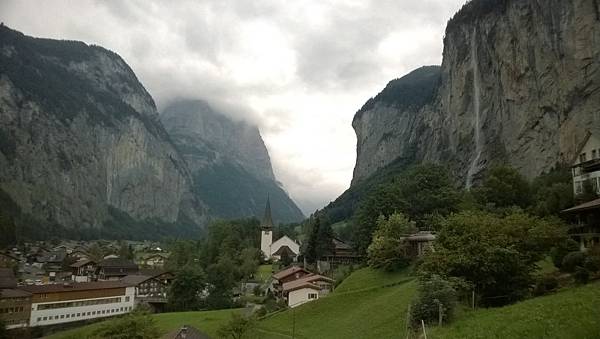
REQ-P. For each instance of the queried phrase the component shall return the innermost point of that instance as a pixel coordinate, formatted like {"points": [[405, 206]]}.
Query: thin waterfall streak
{"points": [[477, 111]]}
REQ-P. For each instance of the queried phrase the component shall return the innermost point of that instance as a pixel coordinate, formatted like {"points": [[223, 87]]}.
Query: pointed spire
{"points": [[267, 222]]}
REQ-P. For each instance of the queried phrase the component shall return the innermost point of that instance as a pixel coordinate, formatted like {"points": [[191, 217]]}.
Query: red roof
{"points": [[289, 271], [306, 281]]}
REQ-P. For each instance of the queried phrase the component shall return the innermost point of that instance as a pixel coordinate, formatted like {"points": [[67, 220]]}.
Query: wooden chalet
{"points": [[116, 268], [585, 228]]}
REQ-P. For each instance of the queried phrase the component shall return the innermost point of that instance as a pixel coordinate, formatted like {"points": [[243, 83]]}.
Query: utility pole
{"points": [[293, 323]]}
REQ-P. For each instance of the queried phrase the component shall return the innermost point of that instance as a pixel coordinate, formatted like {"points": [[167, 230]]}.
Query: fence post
{"points": [[424, 332], [440, 314], [473, 300]]}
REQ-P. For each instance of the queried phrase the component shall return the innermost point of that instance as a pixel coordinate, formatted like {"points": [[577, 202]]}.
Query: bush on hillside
{"points": [[581, 275], [559, 252], [572, 260], [237, 327], [138, 324], [592, 264], [389, 249], [433, 292], [498, 255], [544, 285]]}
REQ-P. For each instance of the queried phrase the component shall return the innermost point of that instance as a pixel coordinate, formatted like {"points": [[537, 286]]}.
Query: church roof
{"points": [[285, 249], [267, 222]]}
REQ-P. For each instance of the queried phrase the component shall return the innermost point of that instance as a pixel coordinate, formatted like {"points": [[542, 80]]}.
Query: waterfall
{"points": [[476, 110]]}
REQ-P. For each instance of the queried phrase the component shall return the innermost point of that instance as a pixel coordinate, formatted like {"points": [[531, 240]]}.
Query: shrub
{"points": [[572, 260], [544, 285], [592, 264], [581, 275], [432, 292], [237, 327], [559, 252], [261, 312], [137, 324]]}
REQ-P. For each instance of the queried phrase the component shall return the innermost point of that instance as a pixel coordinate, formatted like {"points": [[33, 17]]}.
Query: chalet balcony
{"points": [[589, 166]]}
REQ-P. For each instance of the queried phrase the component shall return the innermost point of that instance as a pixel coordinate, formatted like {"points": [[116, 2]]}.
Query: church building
{"points": [[274, 250]]}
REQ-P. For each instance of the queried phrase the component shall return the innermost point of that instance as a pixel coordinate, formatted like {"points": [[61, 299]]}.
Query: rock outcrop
{"points": [[519, 84], [80, 136], [229, 162]]}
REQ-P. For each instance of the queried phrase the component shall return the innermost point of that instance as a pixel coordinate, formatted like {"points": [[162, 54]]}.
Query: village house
{"points": [[586, 165], [420, 243], [84, 270], [343, 254], [149, 291], [586, 223], [15, 304], [155, 260], [308, 288], [62, 303], [8, 260], [116, 268], [289, 274]]}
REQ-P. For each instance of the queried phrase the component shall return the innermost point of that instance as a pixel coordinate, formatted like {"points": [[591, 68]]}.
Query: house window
{"points": [[593, 154], [45, 318], [126, 299], [39, 319], [312, 296], [583, 157], [578, 187]]}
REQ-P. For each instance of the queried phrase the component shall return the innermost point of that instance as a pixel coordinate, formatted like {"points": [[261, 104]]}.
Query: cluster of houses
{"points": [[118, 288], [64, 284]]}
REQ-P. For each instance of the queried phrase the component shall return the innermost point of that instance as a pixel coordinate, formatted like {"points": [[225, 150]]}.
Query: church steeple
{"points": [[267, 222]]}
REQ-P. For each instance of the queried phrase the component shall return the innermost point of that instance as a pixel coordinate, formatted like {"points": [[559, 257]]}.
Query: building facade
{"points": [[15, 308], [63, 303], [586, 165]]}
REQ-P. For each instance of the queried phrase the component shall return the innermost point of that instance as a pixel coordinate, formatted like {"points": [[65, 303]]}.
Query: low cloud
{"points": [[297, 69]]}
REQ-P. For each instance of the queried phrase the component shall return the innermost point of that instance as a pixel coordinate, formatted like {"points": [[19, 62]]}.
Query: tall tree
{"points": [[389, 248], [186, 290], [502, 187]]}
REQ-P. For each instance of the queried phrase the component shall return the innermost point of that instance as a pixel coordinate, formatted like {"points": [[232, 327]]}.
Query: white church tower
{"points": [[266, 238]]}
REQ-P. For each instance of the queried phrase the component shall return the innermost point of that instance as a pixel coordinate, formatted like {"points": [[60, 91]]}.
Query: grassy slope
{"points": [[208, 322], [361, 307], [571, 313]]}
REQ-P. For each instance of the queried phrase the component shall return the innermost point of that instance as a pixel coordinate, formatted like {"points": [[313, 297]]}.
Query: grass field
{"points": [[208, 322], [361, 307], [573, 313], [264, 272]]}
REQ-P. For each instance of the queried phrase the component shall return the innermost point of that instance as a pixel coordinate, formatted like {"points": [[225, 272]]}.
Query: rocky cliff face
{"points": [[519, 84], [79, 136], [229, 162]]}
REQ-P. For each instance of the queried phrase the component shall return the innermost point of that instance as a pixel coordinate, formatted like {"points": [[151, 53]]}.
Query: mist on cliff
{"points": [[299, 70]]}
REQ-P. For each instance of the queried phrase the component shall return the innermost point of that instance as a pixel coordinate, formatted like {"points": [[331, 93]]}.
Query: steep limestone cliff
{"points": [[229, 162], [519, 84], [80, 137]]}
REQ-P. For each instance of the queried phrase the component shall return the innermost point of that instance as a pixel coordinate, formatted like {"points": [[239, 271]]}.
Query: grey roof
{"points": [[13, 293], [590, 205], [80, 263], [53, 257], [7, 278], [267, 222], [134, 279], [117, 263]]}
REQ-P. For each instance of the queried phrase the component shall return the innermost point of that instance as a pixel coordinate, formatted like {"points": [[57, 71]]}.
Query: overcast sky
{"points": [[298, 69]]}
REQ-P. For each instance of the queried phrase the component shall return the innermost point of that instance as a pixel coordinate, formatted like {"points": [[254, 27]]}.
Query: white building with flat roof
{"points": [[69, 302]]}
